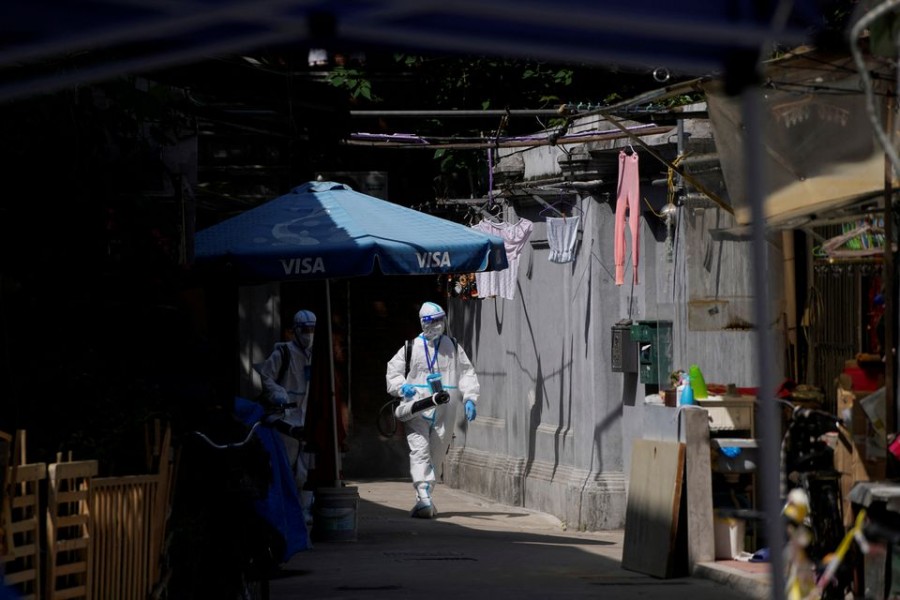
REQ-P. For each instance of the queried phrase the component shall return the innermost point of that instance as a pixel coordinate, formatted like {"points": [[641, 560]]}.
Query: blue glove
{"points": [[408, 390], [470, 410]]}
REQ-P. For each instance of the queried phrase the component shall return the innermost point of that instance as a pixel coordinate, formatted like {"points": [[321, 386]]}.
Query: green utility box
{"points": [[654, 340]]}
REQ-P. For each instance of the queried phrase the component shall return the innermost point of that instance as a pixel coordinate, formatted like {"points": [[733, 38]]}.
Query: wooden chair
{"points": [[69, 529], [21, 555]]}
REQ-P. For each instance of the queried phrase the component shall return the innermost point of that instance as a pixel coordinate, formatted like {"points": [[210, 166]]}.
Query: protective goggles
{"points": [[432, 318], [304, 328]]}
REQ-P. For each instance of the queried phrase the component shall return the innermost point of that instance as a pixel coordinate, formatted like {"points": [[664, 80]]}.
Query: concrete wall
{"points": [[549, 433], [259, 327]]}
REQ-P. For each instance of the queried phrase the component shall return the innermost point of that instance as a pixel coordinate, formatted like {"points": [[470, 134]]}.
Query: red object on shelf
{"points": [[866, 377], [717, 389]]}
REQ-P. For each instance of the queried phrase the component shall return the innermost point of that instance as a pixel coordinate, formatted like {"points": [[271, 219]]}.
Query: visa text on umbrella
{"points": [[433, 259], [303, 266]]}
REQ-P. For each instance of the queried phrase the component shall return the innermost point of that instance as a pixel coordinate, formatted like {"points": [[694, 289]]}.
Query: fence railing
{"points": [[104, 535]]}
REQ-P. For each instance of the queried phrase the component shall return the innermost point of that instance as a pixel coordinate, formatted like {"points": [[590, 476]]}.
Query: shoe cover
{"points": [[424, 509]]}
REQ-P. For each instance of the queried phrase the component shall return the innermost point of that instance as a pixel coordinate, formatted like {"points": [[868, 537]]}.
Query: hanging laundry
{"points": [[515, 236], [628, 198], [561, 235]]}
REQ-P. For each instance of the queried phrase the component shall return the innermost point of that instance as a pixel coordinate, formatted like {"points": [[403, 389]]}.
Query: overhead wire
{"points": [[570, 111], [818, 88], [411, 141]]}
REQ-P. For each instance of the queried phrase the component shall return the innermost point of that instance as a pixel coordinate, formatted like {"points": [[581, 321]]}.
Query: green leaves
{"points": [[354, 81]]}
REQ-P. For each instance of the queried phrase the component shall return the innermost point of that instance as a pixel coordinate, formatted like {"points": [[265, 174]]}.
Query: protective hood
{"points": [[433, 320]]}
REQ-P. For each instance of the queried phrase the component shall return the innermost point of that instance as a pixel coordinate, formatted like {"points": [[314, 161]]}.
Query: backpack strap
{"points": [[408, 355]]}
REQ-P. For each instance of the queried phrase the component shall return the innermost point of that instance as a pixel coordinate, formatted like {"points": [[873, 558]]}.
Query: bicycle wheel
{"points": [[253, 589]]}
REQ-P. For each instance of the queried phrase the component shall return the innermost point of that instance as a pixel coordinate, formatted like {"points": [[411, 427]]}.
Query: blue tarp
{"points": [[281, 506], [325, 230]]}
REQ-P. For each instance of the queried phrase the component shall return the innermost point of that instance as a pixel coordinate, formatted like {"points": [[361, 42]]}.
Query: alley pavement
{"points": [[475, 549]]}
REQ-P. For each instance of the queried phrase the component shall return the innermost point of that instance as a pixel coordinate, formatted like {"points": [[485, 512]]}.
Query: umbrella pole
{"points": [[769, 417], [334, 414], [349, 368]]}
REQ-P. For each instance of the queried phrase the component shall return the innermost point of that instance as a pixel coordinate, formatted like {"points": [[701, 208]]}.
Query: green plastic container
{"points": [[698, 383]]}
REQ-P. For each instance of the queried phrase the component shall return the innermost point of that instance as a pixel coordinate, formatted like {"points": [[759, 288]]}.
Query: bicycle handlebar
{"points": [[252, 431], [269, 419]]}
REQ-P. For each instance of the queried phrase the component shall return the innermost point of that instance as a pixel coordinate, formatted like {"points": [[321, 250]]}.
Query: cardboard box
{"points": [[845, 399], [850, 461]]}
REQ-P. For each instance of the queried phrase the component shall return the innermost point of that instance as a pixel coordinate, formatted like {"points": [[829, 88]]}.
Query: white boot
{"points": [[424, 508]]}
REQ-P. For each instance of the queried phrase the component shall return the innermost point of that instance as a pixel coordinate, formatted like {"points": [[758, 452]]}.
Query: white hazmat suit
{"points": [[430, 418]]}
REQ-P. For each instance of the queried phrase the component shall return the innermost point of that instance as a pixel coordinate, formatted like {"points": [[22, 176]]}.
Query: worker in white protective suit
{"points": [[285, 378], [440, 377]]}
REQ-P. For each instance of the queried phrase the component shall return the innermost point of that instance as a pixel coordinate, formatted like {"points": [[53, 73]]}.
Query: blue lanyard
{"points": [[430, 362]]}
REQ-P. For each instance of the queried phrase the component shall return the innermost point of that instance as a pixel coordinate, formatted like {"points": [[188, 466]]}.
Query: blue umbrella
{"points": [[325, 230]]}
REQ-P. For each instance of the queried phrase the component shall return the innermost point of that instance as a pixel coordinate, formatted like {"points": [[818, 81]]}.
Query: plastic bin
{"points": [[729, 537]]}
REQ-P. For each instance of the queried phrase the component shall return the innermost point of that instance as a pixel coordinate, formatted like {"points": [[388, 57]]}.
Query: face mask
{"points": [[304, 340], [433, 330]]}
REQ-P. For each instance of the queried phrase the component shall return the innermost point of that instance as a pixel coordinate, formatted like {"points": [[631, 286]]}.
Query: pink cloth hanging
{"points": [[628, 198]]}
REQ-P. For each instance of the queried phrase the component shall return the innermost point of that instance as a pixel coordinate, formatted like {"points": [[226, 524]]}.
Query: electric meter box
{"points": [[654, 342], [624, 351]]}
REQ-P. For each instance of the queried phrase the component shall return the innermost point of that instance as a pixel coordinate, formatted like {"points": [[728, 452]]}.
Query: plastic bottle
{"points": [[698, 383], [687, 396]]}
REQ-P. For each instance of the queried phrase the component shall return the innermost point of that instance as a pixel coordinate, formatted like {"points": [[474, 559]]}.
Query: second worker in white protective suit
{"points": [[285, 378], [429, 415]]}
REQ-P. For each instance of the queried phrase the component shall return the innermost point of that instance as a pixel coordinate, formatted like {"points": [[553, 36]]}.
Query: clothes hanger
{"points": [[566, 204], [547, 206], [492, 217]]}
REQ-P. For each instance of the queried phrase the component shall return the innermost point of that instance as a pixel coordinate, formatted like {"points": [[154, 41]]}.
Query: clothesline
{"points": [[409, 140]]}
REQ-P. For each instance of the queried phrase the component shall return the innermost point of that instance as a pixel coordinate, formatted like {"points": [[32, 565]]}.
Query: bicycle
{"points": [[808, 464], [240, 482], [820, 552], [808, 581]]}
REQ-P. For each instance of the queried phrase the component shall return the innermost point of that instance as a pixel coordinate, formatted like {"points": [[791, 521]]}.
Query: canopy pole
{"points": [[769, 421], [347, 346], [331, 393], [887, 279]]}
